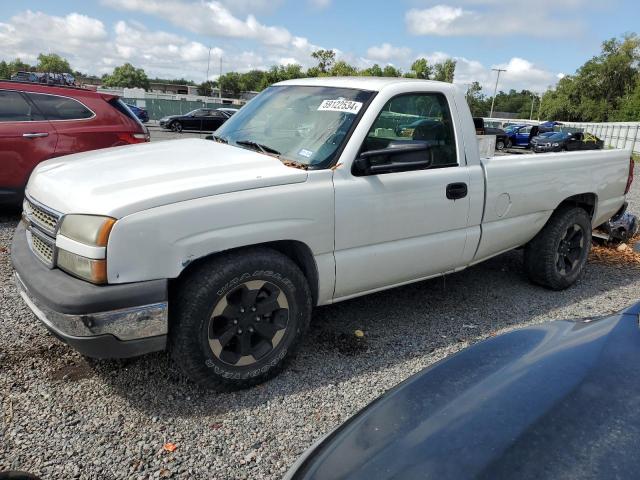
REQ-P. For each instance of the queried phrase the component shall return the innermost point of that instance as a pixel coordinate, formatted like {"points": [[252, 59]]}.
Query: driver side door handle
{"points": [[456, 191]]}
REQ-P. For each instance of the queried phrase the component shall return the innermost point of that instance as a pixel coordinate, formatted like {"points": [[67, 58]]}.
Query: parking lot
{"points": [[64, 416]]}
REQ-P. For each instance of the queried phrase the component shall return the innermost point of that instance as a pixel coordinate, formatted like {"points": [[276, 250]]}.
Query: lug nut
{"points": [[239, 331], [251, 329], [257, 319], [241, 310], [235, 321], [253, 309]]}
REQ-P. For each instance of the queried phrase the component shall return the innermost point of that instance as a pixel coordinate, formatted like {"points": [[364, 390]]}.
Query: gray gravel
{"points": [[66, 417]]}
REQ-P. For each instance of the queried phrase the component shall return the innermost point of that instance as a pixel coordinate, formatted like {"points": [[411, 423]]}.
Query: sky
{"points": [[536, 41]]}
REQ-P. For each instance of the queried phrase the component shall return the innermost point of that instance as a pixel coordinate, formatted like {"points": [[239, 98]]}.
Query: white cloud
{"points": [[320, 4], [492, 18], [210, 18], [387, 52]]}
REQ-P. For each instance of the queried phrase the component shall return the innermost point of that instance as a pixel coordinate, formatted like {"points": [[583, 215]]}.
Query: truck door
{"points": [[397, 227]]}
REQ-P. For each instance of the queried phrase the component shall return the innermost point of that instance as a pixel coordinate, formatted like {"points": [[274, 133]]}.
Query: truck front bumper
{"points": [[111, 321]]}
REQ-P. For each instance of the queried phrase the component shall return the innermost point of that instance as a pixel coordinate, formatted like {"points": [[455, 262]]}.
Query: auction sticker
{"points": [[340, 105], [305, 153]]}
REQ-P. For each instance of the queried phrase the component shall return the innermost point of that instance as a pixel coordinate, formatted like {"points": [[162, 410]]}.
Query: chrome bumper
{"points": [[126, 324]]}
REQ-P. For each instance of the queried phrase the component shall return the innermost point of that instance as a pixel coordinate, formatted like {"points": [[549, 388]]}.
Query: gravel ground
{"points": [[64, 416]]}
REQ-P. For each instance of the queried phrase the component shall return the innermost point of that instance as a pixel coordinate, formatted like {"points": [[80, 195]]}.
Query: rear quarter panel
{"points": [[101, 131], [522, 191]]}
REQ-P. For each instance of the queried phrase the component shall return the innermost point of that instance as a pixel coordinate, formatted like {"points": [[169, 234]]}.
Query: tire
{"points": [[176, 127], [557, 255], [217, 350], [509, 144], [500, 145]]}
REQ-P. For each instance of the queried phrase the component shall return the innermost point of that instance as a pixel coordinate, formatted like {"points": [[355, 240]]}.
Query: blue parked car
{"points": [[521, 135], [141, 113]]}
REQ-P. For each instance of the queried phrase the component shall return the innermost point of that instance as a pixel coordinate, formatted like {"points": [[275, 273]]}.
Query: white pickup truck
{"points": [[317, 191]]}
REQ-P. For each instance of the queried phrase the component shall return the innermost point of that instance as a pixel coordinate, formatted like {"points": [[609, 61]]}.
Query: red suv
{"points": [[38, 122]]}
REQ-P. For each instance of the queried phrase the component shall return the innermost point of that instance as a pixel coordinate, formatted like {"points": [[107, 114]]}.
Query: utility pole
{"points": [[219, 85], [533, 100], [208, 63], [495, 90]]}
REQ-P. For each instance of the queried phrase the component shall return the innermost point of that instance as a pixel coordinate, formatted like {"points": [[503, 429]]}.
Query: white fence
{"points": [[615, 134]]}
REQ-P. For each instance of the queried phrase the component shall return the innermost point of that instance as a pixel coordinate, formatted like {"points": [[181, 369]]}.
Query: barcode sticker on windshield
{"points": [[340, 105]]}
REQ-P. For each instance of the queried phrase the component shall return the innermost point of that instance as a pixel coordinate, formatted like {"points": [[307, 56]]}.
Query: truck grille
{"points": [[43, 249], [41, 217], [42, 225]]}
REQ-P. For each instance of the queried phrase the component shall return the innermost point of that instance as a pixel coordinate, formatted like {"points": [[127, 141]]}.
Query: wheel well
{"points": [[298, 252], [586, 201]]}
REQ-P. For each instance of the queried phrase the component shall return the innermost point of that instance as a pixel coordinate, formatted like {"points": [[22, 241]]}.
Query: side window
{"points": [[416, 117], [201, 113], [60, 108], [216, 114], [14, 108]]}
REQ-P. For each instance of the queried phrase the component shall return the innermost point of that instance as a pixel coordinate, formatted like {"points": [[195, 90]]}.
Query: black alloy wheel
{"points": [[569, 250], [248, 323]]}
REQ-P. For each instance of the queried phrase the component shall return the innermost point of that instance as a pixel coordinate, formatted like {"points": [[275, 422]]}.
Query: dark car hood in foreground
{"points": [[557, 400]]}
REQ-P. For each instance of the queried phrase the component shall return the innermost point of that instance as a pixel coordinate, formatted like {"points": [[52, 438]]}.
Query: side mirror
{"points": [[397, 157]]}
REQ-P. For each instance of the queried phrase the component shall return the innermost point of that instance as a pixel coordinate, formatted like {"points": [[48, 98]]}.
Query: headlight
{"points": [[92, 270], [93, 231], [88, 229]]}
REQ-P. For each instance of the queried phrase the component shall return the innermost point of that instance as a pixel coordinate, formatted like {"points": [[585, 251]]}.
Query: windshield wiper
{"points": [[219, 139], [263, 148]]}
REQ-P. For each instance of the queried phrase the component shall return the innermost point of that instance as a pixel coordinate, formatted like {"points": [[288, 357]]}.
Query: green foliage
{"points": [[391, 71], [53, 63], [444, 71], [127, 76], [476, 100], [343, 69], [630, 107], [325, 58], [18, 65], [421, 69], [373, 71], [231, 82], [5, 73], [206, 88], [601, 88]]}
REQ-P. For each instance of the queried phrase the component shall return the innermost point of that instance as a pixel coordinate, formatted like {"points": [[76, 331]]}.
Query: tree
{"points": [[5, 73], [391, 71], [231, 82], [444, 71], [600, 88], [372, 71], [127, 76], [476, 100], [206, 88], [325, 58], [421, 69], [53, 63], [343, 69], [18, 65]]}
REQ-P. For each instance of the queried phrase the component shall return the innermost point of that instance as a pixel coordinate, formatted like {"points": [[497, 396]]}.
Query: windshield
{"points": [[303, 124]]}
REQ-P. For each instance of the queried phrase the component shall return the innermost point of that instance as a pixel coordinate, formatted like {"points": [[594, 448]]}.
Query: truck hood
{"points": [[123, 180]]}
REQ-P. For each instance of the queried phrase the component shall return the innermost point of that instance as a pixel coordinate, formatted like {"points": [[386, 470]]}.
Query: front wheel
{"points": [[557, 255], [500, 145], [238, 318], [176, 127]]}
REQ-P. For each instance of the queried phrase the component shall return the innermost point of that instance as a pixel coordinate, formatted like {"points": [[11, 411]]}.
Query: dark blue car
{"points": [[141, 113]]}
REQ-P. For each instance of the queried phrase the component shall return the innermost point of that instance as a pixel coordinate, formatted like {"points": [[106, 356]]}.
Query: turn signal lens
{"points": [[89, 269]]}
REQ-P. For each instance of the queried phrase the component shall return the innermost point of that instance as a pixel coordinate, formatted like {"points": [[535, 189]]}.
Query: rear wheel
{"points": [[557, 255], [499, 145], [176, 127], [239, 317]]}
